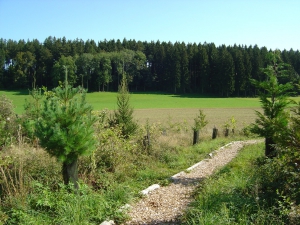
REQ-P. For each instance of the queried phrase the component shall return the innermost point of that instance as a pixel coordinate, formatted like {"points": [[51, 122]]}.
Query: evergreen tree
{"points": [[247, 75], [213, 68], [203, 69], [124, 115], [240, 80], [185, 76], [175, 67], [225, 73], [272, 123], [65, 128]]}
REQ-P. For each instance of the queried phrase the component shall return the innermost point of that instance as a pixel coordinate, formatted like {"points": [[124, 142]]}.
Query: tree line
{"points": [[149, 66]]}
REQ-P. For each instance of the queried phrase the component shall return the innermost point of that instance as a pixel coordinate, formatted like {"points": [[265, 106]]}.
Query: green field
{"points": [[160, 107], [107, 100]]}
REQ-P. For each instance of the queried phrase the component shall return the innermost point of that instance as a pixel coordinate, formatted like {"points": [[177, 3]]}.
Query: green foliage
{"points": [[115, 172], [273, 97], [150, 66], [33, 108], [230, 124], [65, 128], [200, 121], [46, 206], [85, 65], [65, 125], [102, 62], [232, 195], [8, 122], [124, 115], [58, 73], [25, 69]]}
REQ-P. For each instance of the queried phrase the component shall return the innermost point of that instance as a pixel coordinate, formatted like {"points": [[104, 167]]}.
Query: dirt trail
{"points": [[166, 204]]}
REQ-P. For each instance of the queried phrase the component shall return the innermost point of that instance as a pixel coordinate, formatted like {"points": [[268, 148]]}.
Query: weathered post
{"points": [[196, 137], [215, 133], [226, 132], [146, 141], [199, 123]]}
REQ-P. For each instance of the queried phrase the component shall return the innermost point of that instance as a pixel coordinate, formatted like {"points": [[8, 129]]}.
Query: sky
{"points": [[274, 24]]}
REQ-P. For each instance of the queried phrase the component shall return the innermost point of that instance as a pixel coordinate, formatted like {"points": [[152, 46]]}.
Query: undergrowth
{"points": [[113, 175], [236, 194], [31, 189]]}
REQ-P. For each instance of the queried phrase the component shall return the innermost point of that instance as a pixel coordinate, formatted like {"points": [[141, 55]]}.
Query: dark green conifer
{"points": [[272, 123], [65, 128], [124, 115]]}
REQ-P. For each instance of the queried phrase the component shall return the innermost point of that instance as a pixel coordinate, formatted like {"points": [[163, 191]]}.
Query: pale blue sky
{"points": [[270, 23]]}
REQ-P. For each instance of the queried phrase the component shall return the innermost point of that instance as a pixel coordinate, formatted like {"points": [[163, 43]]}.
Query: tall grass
{"points": [[30, 183], [231, 196], [111, 177]]}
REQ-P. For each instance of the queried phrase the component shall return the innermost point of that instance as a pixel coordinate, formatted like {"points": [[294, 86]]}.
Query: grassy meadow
{"points": [[107, 100], [161, 107], [31, 190]]}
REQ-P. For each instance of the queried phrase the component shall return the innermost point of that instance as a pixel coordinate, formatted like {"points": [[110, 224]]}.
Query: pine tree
{"points": [[124, 115], [65, 128], [272, 123]]}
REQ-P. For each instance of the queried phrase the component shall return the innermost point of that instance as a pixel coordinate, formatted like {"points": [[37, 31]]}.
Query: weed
{"points": [[231, 197]]}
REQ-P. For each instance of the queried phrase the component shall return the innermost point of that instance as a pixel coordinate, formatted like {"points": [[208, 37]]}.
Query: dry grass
{"points": [[215, 116]]}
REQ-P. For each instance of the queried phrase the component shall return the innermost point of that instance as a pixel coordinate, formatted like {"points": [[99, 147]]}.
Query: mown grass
{"points": [[107, 100], [160, 107], [231, 195]]}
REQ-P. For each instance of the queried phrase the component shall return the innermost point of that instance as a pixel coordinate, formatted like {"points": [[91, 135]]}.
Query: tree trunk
{"points": [[215, 133], [270, 148], [146, 142], [70, 173], [196, 137], [226, 132]]}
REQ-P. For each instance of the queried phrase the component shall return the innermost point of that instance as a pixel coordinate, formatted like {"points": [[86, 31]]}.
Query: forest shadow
{"points": [[16, 92], [188, 95]]}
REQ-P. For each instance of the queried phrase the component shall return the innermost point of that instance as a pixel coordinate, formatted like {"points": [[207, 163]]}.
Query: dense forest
{"points": [[149, 66]]}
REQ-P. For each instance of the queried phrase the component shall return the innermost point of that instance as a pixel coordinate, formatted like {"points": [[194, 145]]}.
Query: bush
{"points": [[46, 206], [8, 122]]}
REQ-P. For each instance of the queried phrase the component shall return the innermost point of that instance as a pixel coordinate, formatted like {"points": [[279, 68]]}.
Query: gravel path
{"points": [[166, 204]]}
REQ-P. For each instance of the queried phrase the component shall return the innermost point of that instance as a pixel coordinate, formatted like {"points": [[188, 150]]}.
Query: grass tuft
{"points": [[231, 196]]}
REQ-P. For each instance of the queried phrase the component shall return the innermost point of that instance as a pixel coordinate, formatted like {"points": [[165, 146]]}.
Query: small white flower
{"points": [[8, 119]]}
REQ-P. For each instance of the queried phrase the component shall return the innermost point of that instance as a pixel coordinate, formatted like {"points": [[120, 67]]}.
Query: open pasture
{"points": [[168, 108], [108, 100], [215, 116]]}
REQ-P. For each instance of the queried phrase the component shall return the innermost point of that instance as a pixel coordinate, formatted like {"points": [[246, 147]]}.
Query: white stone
{"points": [[149, 189], [111, 222], [195, 165]]}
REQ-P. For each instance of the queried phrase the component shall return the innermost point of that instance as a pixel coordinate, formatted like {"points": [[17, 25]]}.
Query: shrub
{"points": [[8, 122]]}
